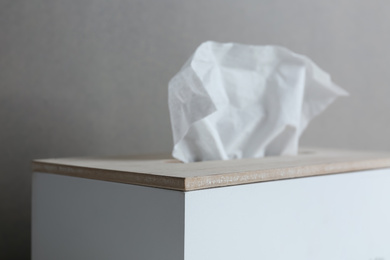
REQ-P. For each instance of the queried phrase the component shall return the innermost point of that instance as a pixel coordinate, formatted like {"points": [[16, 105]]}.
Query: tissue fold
{"points": [[233, 101]]}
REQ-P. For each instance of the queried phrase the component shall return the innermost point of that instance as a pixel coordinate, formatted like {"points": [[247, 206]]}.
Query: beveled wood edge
{"points": [[211, 181], [149, 180], [313, 170]]}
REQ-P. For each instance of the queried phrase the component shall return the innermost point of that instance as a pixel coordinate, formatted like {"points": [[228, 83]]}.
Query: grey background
{"points": [[89, 77]]}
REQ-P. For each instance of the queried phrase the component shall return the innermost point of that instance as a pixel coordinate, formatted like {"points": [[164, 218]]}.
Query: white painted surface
{"points": [[338, 217], [79, 219]]}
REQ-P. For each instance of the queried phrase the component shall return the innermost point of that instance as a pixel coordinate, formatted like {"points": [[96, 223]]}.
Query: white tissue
{"points": [[233, 101]]}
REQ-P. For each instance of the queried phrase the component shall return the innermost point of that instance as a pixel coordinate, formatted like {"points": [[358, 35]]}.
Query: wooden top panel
{"points": [[164, 172]]}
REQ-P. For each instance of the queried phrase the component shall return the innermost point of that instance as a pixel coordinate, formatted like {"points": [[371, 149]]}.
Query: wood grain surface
{"points": [[163, 171]]}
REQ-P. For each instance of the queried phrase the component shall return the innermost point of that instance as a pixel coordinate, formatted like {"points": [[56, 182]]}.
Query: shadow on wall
{"points": [[33, 126]]}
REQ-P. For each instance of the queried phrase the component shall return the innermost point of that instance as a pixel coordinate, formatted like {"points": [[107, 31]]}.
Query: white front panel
{"points": [[338, 217], [80, 219]]}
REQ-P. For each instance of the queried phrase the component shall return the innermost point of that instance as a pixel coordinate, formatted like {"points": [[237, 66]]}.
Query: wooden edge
{"points": [[213, 181], [150, 180]]}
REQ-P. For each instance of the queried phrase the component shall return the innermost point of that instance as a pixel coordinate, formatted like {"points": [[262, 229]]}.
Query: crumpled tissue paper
{"points": [[233, 101]]}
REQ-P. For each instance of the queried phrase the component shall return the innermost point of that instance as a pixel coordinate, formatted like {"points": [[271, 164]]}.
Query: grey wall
{"points": [[89, 77]]}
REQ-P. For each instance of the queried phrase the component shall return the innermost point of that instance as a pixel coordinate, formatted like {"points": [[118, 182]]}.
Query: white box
{"points": [[157, 208]]}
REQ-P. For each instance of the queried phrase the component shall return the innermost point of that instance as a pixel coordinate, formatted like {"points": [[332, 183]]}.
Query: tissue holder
{"points": [[158, 208]]}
